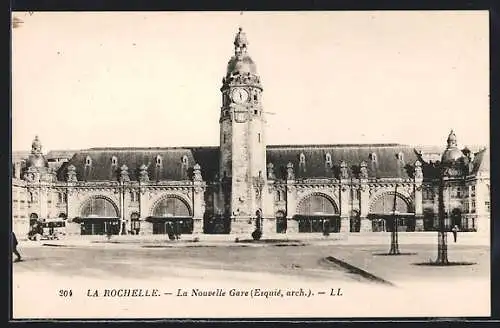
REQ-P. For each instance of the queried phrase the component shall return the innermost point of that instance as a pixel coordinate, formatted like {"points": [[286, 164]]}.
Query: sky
{"points": [[152, 79]]}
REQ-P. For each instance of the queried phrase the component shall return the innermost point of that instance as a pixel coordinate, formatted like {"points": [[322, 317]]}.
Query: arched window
{"points": [[88, 161], [114, 161], [185, 160], [302, 158], [373, 157], [99, 207], [171, 207], [401, 157], [316, 204], [384, 204], [277, 196]]}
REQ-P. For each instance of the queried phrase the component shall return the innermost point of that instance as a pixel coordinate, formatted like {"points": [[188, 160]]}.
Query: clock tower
{"points": [[242, 142]]}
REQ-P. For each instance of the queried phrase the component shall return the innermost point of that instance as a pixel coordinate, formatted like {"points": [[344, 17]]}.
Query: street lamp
{"points": [[394, 233], [258, 183], [442, 258]]}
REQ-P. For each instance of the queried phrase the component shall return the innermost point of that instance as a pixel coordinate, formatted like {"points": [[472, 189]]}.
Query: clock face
{"points": [[239, 95]]}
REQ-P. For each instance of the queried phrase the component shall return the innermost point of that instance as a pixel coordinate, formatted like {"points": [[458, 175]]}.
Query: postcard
{"points": [[250, 164]]}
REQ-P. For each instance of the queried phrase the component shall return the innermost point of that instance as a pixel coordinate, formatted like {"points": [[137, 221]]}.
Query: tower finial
{"points": [[240, 42], [452, 139], [36, 146]]}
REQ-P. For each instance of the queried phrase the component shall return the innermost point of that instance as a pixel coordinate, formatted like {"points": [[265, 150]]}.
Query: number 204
{"points": [[65, 292]]}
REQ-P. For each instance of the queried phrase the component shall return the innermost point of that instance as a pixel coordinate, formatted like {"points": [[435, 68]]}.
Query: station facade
{"points": [[218, 190]]}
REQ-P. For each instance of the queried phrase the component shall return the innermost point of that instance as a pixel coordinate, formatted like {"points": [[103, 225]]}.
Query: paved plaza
{"points": [[49, 266]]}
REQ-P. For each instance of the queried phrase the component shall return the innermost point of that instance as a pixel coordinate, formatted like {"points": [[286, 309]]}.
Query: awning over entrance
{"points": [[390, 215], [316, 216], [95, 219], [167, 218]]}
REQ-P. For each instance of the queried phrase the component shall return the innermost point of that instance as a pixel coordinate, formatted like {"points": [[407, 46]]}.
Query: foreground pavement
{"points": [[418, 290]]}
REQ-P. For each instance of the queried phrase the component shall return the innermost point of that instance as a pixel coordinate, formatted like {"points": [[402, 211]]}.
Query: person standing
{"points": [[14, 247], [455, 232]]}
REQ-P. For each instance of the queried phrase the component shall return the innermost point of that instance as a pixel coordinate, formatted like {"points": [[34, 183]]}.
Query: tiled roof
{"points": [[102, 167], [60, 154], [387, 164]]}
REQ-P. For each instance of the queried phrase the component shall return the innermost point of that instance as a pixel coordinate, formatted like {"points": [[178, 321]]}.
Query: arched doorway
{"points": [[99, 216], [281, 223], [382, 213], [430, 220], [171, 214], [355, 221], [318, 213], [456, 219], [135, 224]]}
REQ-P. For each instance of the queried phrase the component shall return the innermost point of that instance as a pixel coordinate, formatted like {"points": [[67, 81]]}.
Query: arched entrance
{"points": [[99, 216], [281, 223], [355, 221], [430, 220], [382, 213], [456, 219], [171, 214], [318, 213], [135, 224]]}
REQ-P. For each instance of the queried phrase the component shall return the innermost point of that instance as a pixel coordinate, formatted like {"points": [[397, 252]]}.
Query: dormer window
{"points": [[88, 161], [158, 160], [328, 159], [114, 161]]}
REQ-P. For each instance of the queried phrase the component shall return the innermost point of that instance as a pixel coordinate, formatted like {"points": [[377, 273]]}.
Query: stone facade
{"points": [[297, 188]]}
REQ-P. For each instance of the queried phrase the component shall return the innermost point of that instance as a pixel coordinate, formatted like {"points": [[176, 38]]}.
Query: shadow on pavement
{"points": [[433, 263], [387, 254]]}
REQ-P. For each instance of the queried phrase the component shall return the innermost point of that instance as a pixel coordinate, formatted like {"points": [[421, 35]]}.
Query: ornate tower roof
{"points": [[36, 159], [241, 63], [452, 153]]}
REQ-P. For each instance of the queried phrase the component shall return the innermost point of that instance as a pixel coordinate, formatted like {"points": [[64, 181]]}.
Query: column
{"points": [[366, 224], [198, 206], [292, 225], [344, 205], [419, 218], [145, 227]]}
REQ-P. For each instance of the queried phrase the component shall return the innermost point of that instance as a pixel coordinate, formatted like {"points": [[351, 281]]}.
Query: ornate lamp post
{"points": [[442, 258], [258, 184], [394, 233]]}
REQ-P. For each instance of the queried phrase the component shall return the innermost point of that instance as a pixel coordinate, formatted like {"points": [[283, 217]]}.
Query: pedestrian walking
{"points": [[455, 231], [14, 247]]}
